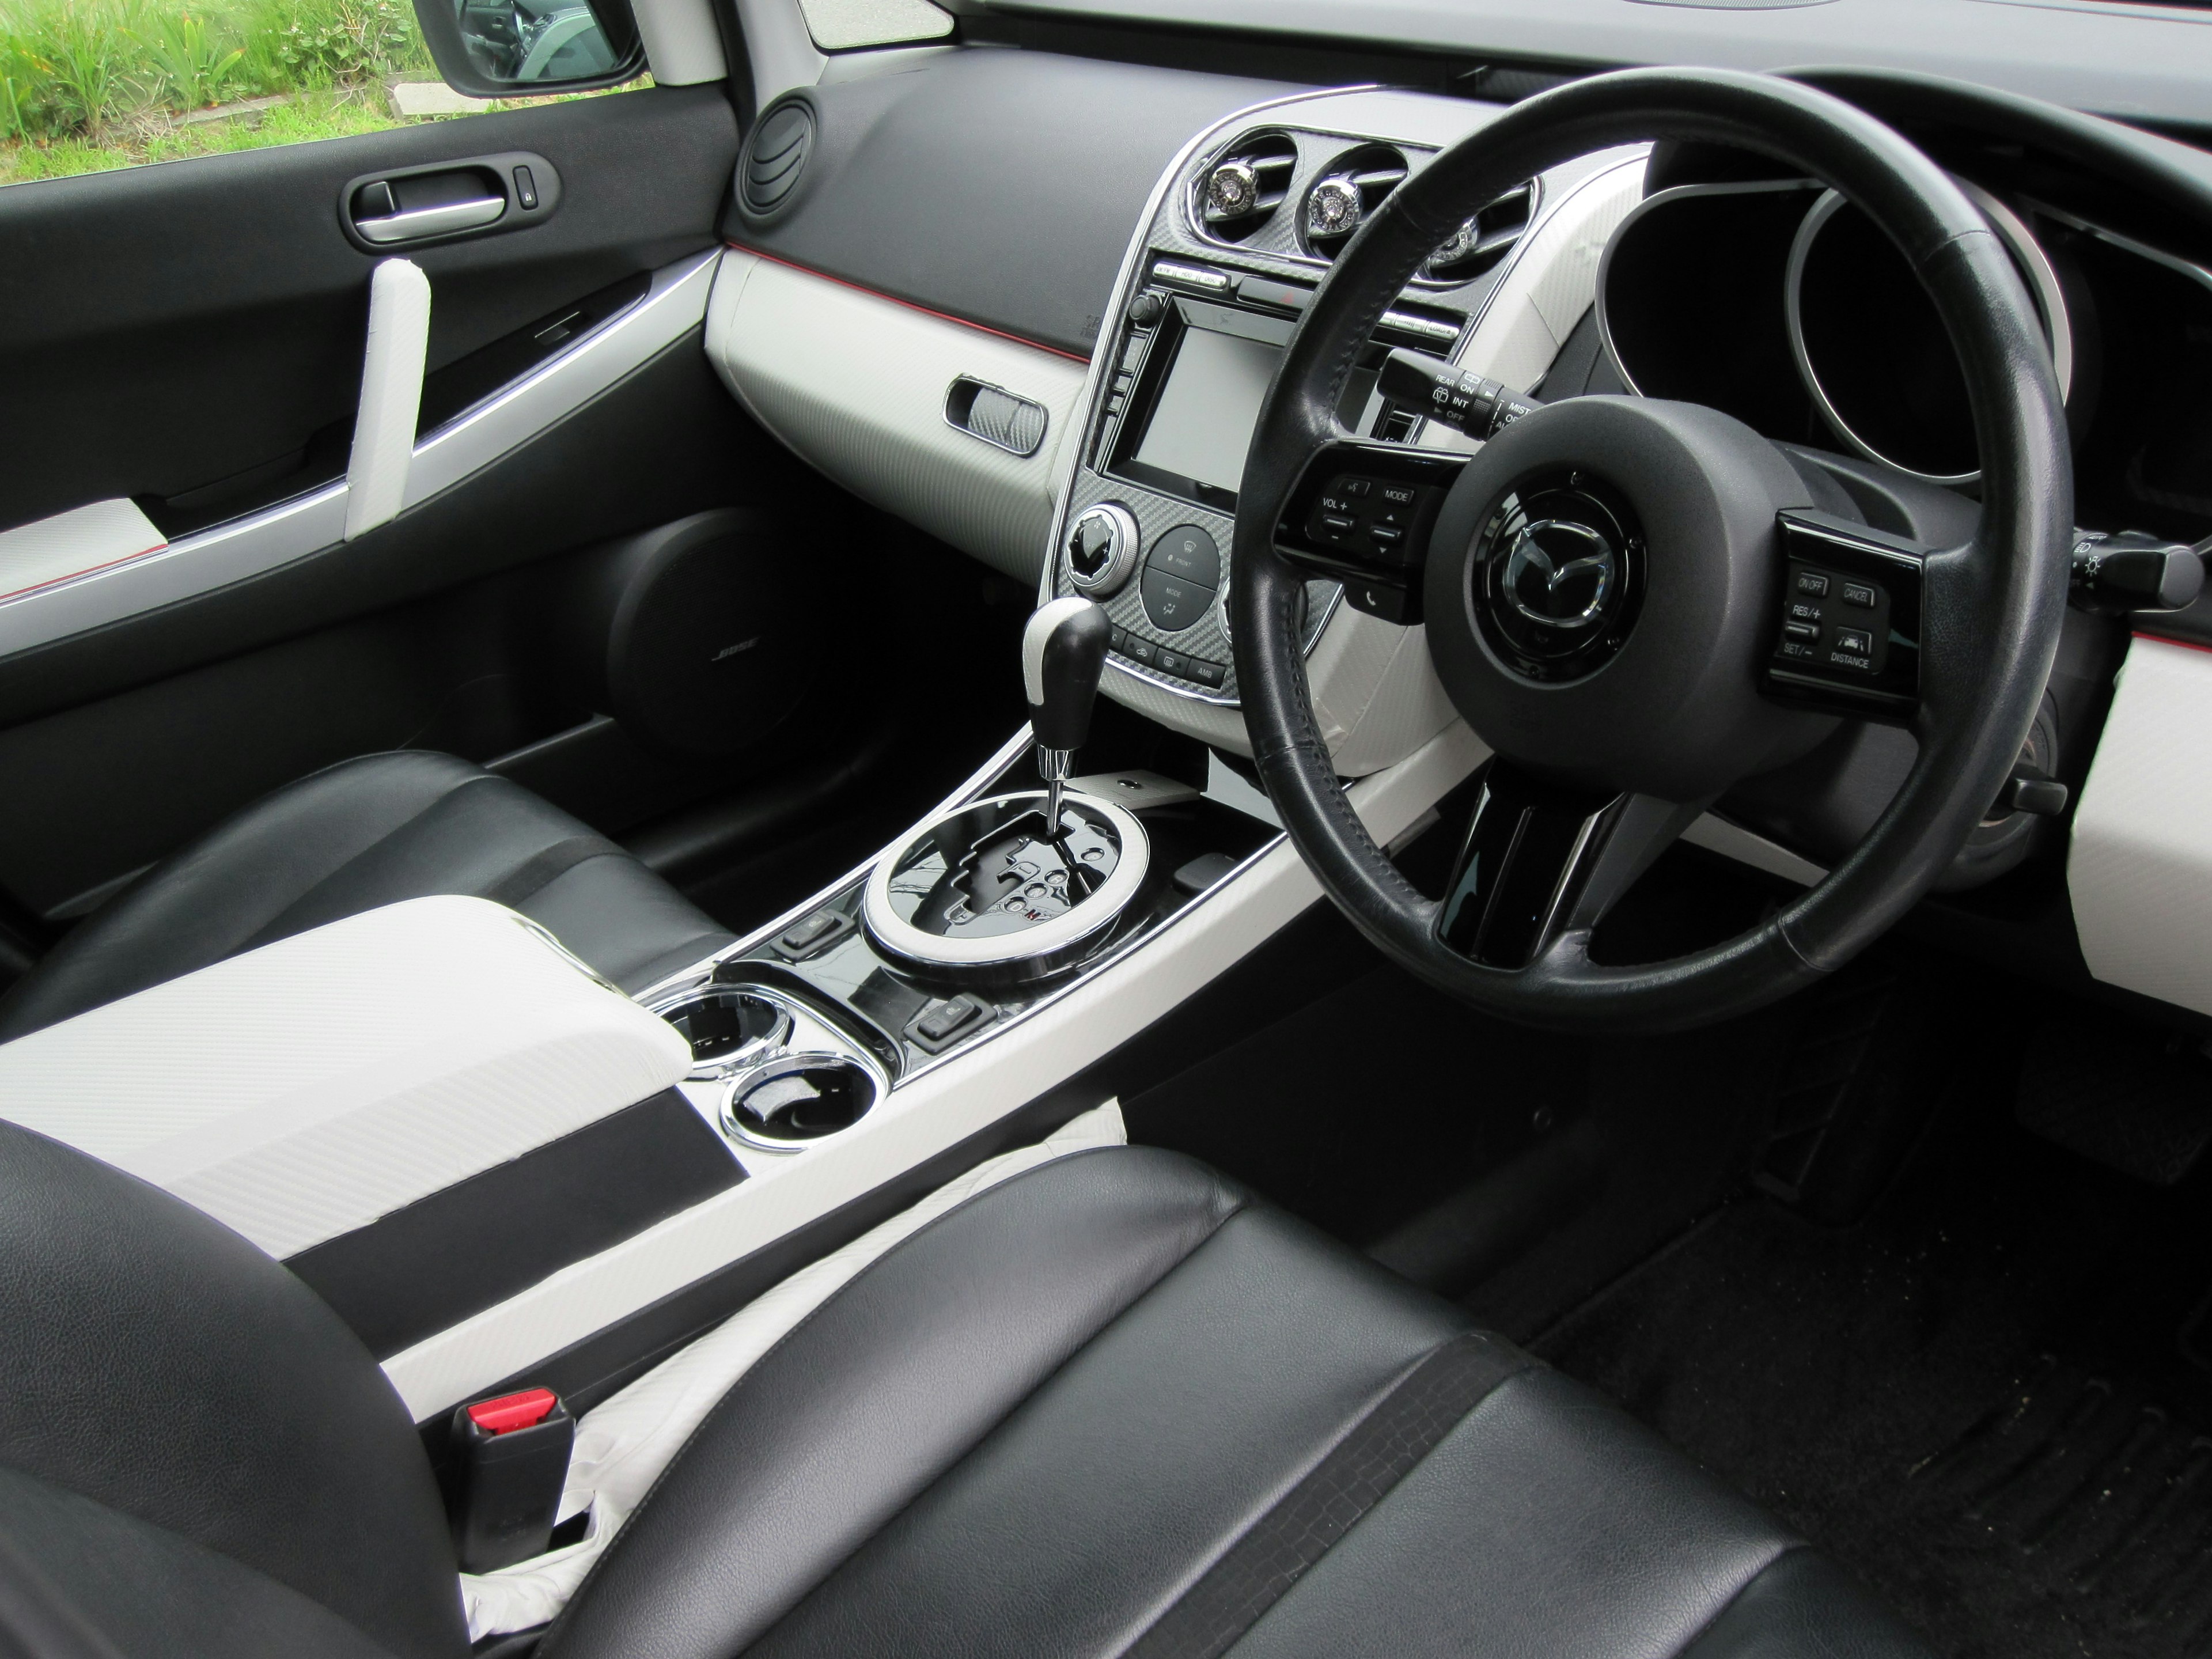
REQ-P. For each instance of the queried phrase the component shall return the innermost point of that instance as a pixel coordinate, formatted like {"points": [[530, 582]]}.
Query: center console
{"points": [[1234, 251]]}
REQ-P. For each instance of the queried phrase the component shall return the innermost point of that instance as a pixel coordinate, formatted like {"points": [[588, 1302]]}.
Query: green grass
{"points": [[89, 85], [336, 114], [76, 68]]}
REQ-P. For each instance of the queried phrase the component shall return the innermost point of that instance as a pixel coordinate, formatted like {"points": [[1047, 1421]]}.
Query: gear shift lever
{"points": [[1063, 654]]}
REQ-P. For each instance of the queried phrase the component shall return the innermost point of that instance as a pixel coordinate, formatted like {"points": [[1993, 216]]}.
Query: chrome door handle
{"points": [[431, 221]]}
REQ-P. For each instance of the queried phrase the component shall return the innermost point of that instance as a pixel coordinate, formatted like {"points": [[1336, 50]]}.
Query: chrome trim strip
{"points": [[2172, 262], [2043, 287], [246, 547], [894, 936], [398, 227]]}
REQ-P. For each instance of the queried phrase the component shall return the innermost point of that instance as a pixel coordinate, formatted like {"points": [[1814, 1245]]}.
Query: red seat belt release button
{"points": [[511, 1412], [510, 1467]]}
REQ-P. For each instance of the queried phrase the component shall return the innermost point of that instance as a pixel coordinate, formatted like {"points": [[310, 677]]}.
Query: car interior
{"points": [[1087, 827]]}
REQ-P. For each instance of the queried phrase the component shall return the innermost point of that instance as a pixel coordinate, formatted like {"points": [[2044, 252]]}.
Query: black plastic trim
{"points": [[433, 1263]]}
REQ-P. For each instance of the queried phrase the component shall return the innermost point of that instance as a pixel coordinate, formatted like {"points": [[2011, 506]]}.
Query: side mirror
{"points": [[511, 48]]}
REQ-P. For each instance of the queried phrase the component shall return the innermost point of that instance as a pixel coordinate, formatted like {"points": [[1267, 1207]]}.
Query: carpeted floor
{"points": [[1982, 1398]]}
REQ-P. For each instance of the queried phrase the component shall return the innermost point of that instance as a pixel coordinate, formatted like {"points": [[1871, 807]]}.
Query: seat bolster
{"points": [[882, 1390], [81, 1580], [159, 1365], [1804, 1604]]}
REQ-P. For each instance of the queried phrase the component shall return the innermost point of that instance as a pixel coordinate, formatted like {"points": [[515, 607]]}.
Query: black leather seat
{"points": [[355, 835], [1113, 1407]]}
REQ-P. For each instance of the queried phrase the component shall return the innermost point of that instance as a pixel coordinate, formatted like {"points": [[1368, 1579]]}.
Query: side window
{"points": [[89, 85]]}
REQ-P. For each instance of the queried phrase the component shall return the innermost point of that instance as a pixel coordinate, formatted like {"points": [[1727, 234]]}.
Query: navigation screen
{"points": [[1201, 424]]}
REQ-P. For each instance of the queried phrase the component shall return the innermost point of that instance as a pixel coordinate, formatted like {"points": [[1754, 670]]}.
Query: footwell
{"points": [[1982, 1398]]}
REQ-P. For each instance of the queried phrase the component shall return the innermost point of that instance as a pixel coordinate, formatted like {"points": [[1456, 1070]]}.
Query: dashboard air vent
{"points": [[1238, 192], [775, 155], [1339, 202], [1482, 241]]}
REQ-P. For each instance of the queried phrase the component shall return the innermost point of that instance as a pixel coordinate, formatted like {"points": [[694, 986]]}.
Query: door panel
{"points": [[167, 327]]}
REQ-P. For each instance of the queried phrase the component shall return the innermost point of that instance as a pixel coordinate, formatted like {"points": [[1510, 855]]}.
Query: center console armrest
{"points": [[304, 1090]]}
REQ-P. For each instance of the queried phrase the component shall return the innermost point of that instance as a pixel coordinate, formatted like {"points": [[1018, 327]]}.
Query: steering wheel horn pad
{"points": [[1672, 710], [1608, 762]]}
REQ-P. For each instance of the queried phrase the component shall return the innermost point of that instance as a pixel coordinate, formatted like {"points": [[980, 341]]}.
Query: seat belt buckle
{"points": [[511, 1463]]}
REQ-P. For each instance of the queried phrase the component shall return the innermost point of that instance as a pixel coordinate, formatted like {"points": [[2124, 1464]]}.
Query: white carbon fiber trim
{"points": [[305, 1088], [855, 385], [2139, 869]]}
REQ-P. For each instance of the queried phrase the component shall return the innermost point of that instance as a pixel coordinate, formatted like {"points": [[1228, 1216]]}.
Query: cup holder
{"points": [[790, 1099], [726, 1025]]}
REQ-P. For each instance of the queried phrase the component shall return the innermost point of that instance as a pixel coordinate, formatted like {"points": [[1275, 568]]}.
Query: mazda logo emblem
{"points": [[1558, 573]]}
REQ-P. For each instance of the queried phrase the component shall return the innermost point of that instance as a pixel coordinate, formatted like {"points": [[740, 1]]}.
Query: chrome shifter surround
{"points": [[922, 863]]}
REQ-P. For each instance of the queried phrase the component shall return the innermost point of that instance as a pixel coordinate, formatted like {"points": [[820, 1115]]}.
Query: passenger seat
{"points": [[364, 833]]}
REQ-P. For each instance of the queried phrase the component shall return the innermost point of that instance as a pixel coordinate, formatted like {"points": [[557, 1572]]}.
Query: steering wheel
{"points": [[1607, 582]]}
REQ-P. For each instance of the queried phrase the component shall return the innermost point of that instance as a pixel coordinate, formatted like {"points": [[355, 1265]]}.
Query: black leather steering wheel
{"points": [[1690, 534]]}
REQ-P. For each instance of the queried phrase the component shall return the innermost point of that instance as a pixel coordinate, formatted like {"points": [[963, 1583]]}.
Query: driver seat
{"points": [[1114, 1406]]}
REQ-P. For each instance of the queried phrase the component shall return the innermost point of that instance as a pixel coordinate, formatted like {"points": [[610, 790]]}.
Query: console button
{"points": [[1188, 552], [1812, 583], [1860, 594], [1142, 651], [935, 1030], [1174, 662], [1801, 630], [1856, 641], [1205, 673], [813, 934], [1172, 603]]}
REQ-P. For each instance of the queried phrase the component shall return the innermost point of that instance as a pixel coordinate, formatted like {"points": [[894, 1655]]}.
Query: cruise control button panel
{"points": [[1848, 635], [1362, 515]]}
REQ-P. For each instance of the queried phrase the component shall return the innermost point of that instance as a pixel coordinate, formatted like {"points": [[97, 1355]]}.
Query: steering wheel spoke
{"points": [[1542, 861], [1849, 638]]}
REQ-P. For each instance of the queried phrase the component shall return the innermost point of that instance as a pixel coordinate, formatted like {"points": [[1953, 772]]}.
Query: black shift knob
{"points": [[1063, 654]]}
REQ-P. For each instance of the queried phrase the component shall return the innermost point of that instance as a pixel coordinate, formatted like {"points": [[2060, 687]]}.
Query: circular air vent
{"points": [[1484, 240], [775, 156], [1339, 202], [1236, 195]]}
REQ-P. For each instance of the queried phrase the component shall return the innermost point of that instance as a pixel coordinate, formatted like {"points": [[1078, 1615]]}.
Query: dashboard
{"points": [[1066, 387], [1778, 301]]}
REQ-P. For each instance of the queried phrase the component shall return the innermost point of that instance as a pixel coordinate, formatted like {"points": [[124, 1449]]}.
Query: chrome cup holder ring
{"points": [[794, 1098], [984, 891], [728, 1026]]}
